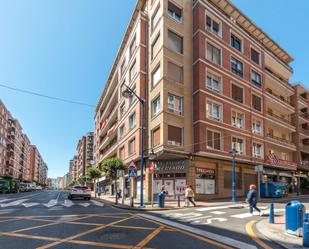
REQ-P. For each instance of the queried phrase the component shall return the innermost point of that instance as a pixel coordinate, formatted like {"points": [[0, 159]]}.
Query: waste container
{"points": [[294, 213], [161, 197]]}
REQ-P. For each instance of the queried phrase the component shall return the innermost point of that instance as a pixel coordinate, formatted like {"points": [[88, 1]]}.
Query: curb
{"points": [[143, 209], [263, 228]]}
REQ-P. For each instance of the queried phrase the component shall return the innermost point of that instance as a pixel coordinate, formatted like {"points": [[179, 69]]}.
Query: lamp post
{"points": [[127, 92], [233, 152]]}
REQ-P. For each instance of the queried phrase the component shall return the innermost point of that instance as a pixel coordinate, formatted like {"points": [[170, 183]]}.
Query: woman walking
{"points": [[252, 200], [189, 196]]}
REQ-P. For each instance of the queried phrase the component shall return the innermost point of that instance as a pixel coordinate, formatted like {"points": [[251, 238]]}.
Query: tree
{"points": [[82, 180], [110, 167], [72, 183], [93, 174]]}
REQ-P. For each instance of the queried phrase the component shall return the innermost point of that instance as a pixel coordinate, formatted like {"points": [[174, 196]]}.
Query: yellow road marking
{"points": [[192, 235], [8, 220], [149, 238], [29, 236], [253, 236], [68, 239]]}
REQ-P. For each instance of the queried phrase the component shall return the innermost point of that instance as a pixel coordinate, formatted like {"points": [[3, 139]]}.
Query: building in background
{"points": [[15, 149], [73, 170], [49, 183], [38, 168], [212, 81]]}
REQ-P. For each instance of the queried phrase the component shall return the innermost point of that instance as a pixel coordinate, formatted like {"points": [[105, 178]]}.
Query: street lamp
{"points": [[233, 152], [127, 92]]}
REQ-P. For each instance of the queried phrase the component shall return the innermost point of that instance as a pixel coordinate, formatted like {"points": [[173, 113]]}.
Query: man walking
{"points": [[189, 196], [252, 200]]}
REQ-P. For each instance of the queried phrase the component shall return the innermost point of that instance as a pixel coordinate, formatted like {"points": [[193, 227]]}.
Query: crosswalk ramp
{"points": [[212, 215], [26, 203]]}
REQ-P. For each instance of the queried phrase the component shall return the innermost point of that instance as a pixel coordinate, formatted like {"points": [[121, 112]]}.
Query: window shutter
{"points": [[209, 139], [156, 137], [175, 72], [174, 134], [217, 141]]}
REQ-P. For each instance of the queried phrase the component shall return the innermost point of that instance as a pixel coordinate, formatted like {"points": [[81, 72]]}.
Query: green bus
{"points": [[9, 185]]}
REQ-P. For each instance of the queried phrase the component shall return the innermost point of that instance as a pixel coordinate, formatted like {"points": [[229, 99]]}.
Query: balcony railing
{"points": [[304, 164], [278, 97], [280, 139], [304, 146], [282, 163], [304, 131], [304, 115], [279, 117], [302, 99]]}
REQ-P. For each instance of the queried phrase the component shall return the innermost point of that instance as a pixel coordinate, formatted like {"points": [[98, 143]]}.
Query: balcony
{"points": [[282, 101], [279, 118], [304, 164], [282, 163], [303, 131], [281, 140], [304, 147]]}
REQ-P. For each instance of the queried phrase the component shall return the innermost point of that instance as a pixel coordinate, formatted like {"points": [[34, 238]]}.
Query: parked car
{"points": [[9, 185], [78, 191], [38, 188], [24, 187]]}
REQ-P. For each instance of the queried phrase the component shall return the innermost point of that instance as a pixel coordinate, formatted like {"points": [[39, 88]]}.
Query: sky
{"points": [[66, 48]]}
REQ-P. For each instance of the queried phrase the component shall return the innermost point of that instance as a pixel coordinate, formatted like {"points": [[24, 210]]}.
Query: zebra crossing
{"points": [[9, 203], [213, 215]]}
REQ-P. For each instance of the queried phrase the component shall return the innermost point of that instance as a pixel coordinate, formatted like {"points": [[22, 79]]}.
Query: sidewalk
{"points": [[276, 233]]}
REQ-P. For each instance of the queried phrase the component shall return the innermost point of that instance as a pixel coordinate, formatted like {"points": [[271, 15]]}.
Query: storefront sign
{"points": [[205, 171], [180, 186], [171, 166]]}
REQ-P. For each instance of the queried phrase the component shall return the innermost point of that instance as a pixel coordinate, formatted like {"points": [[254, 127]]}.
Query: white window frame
{"points": [[210, 113], [237, 146], [212, 139], [252, 79], [154, 73], [134, 125], [211, 59], [124, 131], [235, 123], [210, 75], [173, 15], [254, 130], [213, 18], [256, 155], [155, 100], [175, 109]]}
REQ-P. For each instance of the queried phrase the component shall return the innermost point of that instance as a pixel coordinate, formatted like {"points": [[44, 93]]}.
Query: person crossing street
{"points": [[189, 196]]}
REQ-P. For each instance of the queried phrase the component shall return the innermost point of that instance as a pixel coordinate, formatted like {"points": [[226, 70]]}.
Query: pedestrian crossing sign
{"points": [[132, 172]]}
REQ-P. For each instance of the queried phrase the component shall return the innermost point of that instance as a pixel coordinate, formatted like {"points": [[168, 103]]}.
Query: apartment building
{"points": [[38, 168], [84, 154], [73, 171], [4, 117], [212, 81]]}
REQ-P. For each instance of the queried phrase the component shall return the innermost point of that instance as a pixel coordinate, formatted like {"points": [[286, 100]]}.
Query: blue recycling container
{"points": [[294, 213], [272, 189], [161, 198]]}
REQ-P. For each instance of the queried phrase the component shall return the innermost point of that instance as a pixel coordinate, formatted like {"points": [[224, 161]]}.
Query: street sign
{"points": [[259, 168], [132, 165], [132, 172], [151, 168], [120, 173]]}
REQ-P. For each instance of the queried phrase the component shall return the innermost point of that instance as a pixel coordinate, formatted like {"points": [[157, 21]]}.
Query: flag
{"points": [[273, 158]]}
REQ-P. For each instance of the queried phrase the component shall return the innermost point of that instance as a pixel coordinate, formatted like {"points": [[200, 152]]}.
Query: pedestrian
{"points": [[189, 196], [252, 199], [119, 193], [163, 191]]}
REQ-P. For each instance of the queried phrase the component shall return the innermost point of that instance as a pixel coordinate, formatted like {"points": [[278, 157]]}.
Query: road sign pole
{"points": [[123, 189], [259, 185], [152, 178]]}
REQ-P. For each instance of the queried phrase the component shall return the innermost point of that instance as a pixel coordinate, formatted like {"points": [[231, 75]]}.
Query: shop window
{"points": [[205, 181], [174, 135], [228, 180]]}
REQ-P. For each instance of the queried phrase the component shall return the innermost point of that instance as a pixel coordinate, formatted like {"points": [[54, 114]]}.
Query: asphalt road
{"points": [[47, 219]]}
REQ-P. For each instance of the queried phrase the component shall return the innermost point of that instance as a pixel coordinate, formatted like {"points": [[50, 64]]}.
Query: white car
{"points": [[78, 191]]}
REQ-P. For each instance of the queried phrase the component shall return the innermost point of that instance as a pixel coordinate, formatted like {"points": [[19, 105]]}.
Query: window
{"points": [[132, 121], [236, 43], [155, 47], [174, 12], [213, 82], [214, 111], [132, 146], [256, 79], [257, 102], [132, 97], [175, 42], [213, 54], [133, 46], [156, 137], [174, 72], [257, 126], [175, 104], [123, 67], [174, 135], [121, 153], [213, 140], [255, 56], [237, 93], [121, 131], [122, 110], [257, 150], [133, 70], [238, 119], [238, 144], [213, 26], [155, 106], [156, 76], [237, 67], [155, 18]]}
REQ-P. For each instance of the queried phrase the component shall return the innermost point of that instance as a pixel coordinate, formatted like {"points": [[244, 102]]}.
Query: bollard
{"points": [[271, 214], [178, 200], [131, 202], [306, 230]]}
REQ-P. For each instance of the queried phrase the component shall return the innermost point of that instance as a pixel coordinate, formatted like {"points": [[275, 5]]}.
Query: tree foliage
{"points": [[93, 173], [110, 167]]}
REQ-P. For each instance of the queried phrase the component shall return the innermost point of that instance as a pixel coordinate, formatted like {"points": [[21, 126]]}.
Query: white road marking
{"points": [[200, 232], [208, 221], [68, 203], [30, 204], [222, 207], [97, 203], [13, 203], [4, 200], [51, 203], [84, 204], [217, 212]]}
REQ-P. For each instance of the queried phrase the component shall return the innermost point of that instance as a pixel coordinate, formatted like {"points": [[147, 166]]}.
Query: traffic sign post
{"points": [[259, 169], [132, 172], [151, 171]]}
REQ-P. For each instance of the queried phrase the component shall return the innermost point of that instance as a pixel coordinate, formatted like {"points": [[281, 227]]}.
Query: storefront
{"points": [[205, 181], [171, 174]]}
